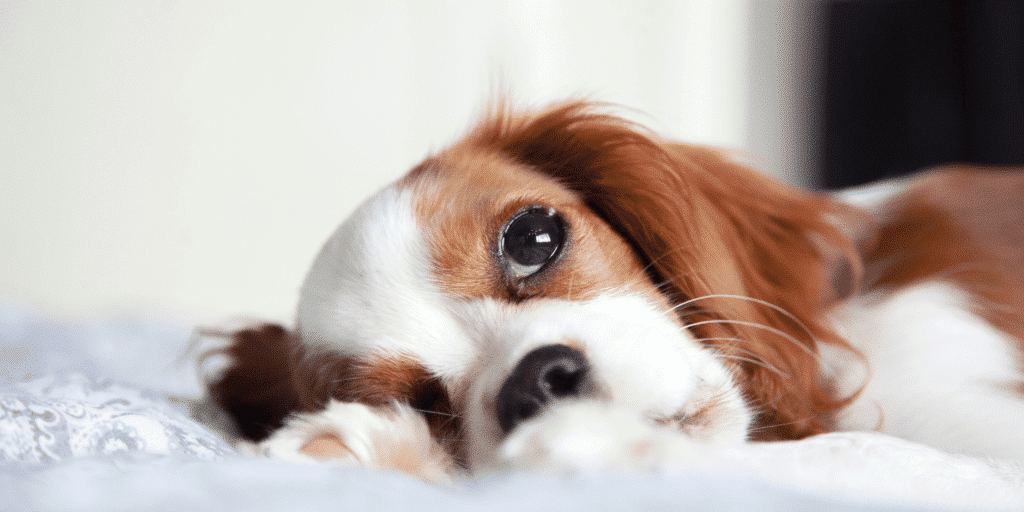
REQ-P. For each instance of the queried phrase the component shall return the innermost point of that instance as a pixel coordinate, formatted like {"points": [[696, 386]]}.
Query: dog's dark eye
{"points": [[531, 239]]}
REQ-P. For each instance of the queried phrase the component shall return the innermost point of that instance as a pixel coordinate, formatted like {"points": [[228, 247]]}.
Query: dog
{"points": [[564, 289]]}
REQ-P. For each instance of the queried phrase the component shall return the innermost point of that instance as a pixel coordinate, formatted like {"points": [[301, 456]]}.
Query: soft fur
{"points": [[712, 306]]}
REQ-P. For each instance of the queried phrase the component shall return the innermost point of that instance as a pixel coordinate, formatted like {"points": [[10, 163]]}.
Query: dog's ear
{"points": [[258, 388], [795, 253], [271, 373], [754, 260]]}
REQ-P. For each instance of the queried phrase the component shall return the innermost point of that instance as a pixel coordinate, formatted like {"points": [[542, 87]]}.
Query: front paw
{"points": [[390, 438], [586, 437]]}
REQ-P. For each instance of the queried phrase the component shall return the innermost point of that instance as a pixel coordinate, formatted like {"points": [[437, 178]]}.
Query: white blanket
{"points": [[84, 426]]}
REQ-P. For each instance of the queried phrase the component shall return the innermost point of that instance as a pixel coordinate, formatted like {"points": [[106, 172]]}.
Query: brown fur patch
{"points": [[274, 374], [963, 225], [464, 197], [257, 390]]}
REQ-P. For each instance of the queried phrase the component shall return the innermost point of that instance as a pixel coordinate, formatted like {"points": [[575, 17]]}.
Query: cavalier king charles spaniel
{"points": [[564, 290]]}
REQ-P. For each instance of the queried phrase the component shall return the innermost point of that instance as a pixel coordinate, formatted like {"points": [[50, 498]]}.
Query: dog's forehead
{"points": [[462, 194], [369, 290]]}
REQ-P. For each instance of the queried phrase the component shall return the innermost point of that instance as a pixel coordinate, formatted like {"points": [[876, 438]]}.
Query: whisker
{"points": [[754, 358], [732, 346], [645, 278], [767, 304], [724, 339], [784, 335], [755, 362], [775, 425], [696, 312], [646, 271], [661, 257], [448, 439], [424, 411], [343, 380]]}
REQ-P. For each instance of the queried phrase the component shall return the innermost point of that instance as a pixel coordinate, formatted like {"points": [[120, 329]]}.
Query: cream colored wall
{"points": [[193, 155]]}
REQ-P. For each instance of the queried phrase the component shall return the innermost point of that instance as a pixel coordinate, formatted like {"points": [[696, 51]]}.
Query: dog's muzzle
{"points": [[542, 377]]}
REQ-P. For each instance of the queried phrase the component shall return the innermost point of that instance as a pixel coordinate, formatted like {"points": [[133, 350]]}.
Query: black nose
{"points": [[546, 374]]}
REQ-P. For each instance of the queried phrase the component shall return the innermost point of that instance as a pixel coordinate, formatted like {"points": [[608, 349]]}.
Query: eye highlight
{"points": [[531, 239]]}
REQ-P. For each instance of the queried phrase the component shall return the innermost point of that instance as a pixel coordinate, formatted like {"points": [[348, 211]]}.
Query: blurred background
{"points": [[191, 156]]}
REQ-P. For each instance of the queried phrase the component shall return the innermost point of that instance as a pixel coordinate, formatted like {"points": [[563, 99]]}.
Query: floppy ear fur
{"points": [[258, 389], [272, 375], [747, 259]]}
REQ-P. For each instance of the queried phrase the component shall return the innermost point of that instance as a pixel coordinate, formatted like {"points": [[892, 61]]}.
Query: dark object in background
{"points": [[910, 84]]}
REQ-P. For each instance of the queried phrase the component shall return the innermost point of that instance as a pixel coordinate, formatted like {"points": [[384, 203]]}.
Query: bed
{"points": [[88, 421]]}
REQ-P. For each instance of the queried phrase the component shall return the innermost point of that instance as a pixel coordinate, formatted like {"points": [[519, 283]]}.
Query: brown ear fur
{"points": [[258, 388], [272, 375], [707, 226]]}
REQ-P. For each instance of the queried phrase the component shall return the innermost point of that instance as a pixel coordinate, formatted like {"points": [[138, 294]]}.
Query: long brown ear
{"points": [[785, 247], [711, 230], [258, 389]]}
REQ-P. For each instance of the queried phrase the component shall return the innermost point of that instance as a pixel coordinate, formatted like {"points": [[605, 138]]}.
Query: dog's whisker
{"points": [[776, 425], [731, 346], [765, 303], [753, 358], [343, 380], [756, 362], [439, 413], [697, 312], [782, 334], [660, 257]]}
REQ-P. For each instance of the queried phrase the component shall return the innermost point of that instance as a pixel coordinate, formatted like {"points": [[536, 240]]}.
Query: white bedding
{"points": [[84, 426]]}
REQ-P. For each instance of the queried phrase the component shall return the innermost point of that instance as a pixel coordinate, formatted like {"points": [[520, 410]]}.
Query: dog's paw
{"points": [[390, 438], [581, 438], [586, 437]]}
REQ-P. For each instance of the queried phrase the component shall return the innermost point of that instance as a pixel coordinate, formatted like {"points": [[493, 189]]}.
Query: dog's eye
{"points": [[531, 239]]}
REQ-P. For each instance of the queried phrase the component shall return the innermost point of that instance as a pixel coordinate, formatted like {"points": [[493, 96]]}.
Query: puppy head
{"points": [[571, 256]]}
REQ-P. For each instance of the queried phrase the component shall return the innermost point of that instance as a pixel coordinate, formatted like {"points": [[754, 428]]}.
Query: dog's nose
{"points": [[546, 374]]}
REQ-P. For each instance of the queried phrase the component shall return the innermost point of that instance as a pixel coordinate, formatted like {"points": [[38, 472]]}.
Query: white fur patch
{"points": [[936, 372], [370, 289], [873, 195]]}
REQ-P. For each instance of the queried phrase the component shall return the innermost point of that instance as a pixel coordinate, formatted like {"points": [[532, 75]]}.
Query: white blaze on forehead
{"points": [[371, 288]]}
